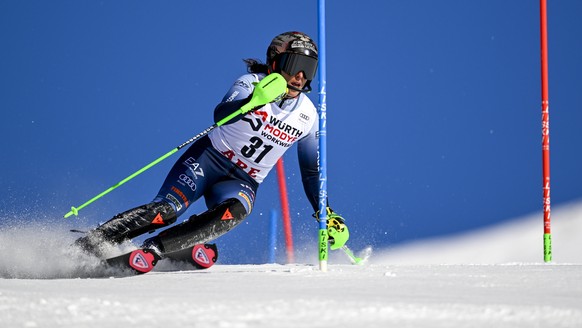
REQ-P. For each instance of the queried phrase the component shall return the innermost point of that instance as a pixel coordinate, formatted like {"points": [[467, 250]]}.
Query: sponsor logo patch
{"points": [[246, 198], [227, 215], [200, 256], [139, 261], [186, 180], [174, 201], [158, 219]]}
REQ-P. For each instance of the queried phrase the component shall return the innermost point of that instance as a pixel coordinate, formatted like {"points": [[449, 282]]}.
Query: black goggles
{"points": [[292, 64]]}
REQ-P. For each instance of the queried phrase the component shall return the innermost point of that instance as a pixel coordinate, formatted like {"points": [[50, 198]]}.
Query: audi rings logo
{"points": [[188, 181]]}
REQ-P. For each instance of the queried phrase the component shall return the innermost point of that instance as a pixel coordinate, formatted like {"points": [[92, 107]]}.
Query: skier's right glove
{"points": [[336, 229], [271, 88]]}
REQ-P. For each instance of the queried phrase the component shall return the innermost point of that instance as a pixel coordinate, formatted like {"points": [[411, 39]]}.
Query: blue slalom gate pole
{"points": [[323, 237], [273, 237]]}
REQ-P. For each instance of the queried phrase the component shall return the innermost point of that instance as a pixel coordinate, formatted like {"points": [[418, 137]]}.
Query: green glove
{"points": [[271, 88], [336, 229]]}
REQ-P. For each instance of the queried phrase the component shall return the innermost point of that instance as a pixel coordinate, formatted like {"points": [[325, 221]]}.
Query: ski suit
{"points": [[225, 167], [236, 157]]}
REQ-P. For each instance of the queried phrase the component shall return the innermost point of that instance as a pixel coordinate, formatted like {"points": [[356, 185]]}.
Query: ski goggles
{"points": [[292, 64]]}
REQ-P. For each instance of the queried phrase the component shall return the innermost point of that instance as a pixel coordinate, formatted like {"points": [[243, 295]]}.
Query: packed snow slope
{"points": [[491, 278], [272, 295]]}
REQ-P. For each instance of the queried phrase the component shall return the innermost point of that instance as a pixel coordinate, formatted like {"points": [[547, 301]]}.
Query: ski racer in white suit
{"points": [[227, 166]]}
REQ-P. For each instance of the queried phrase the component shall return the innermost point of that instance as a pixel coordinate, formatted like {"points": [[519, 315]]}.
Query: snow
{"points": [[298, 295], [489, 278], [519, 240]]}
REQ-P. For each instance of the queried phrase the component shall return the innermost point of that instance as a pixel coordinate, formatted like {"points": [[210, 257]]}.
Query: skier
{"points": [[227, 165]]}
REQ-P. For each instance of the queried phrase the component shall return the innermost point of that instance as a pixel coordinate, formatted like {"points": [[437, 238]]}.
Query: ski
{"points": [[140, 261], [202, 256]]}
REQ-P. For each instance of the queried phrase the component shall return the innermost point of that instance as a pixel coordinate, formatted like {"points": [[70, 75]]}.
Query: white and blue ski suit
{"points": [[236, 157], [225, 167]]}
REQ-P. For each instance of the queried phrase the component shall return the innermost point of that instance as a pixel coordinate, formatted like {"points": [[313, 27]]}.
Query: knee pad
{"points": [[204, 227], [137, 221]]}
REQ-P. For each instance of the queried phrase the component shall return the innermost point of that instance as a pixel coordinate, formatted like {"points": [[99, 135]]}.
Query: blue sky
{"points": [[434, 108]]}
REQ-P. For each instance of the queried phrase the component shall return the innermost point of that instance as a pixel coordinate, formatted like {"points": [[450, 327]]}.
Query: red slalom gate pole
{"points": [[285, 209], [545, 132]]}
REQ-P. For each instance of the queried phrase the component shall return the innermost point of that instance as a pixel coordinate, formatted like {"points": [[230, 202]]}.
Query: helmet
{"points": [[293, 52]]}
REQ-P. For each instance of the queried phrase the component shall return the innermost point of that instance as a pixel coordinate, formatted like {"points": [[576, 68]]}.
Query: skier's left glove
{"points": [[336, 229]]}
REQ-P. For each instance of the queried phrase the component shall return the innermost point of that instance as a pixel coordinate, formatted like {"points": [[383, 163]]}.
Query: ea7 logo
{"points": [[194, 167]]}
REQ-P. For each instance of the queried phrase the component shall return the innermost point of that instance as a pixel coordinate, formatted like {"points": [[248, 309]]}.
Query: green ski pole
{"points": [[359, 260], [269, 89], [353, 258]]}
